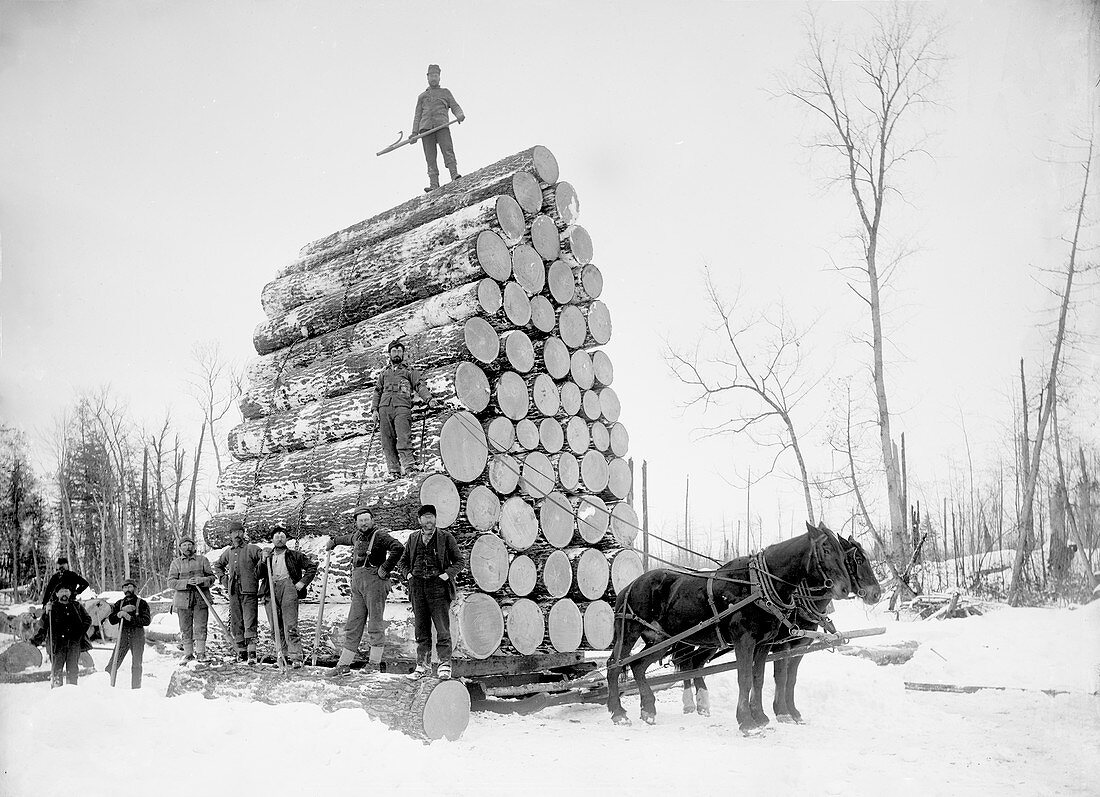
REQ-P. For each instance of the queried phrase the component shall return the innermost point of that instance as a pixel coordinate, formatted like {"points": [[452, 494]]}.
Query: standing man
{"points": [[291, 572], [374, 555], [392, 410], [238, 572], [430, 563], [132, 615], [65, 626], [64, 577], [433, 108], [189, 575]]}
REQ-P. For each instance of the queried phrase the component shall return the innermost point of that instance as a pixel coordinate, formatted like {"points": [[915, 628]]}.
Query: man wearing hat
{"points": [[132, 615], [291, 572], [189, 575], [65, 626], [392, 409], [433, 108], [63, 576], [430, 563], [238, 571], [374, 553]]}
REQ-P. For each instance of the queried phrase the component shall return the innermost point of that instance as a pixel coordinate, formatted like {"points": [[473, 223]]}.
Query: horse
{"points": [[663, 603]]}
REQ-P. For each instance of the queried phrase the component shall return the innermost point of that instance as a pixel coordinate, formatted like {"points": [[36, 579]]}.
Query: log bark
{"points": [[601, 437], [565, 626], [560, 282], [618, 478], [516, 174], [526, 625], [488, 562], [590, 572], [599, 624], [593, 517], [504, 473], [576, 245], [545, 394], [500, 433], [510, 397], [561, 203], [620, 440], [537, 476], [545, 237], [569, 470], [626, 565], [551, 435], [555, 574], [517, 305], [522, 575], [554, 356], [580, 369], [528, 269], [480, 624], [587, 283], [602, 369], [543, 315], [557, 520], [594, 471], [481, 508], [518, 525], [518, 350], [577, 435]]}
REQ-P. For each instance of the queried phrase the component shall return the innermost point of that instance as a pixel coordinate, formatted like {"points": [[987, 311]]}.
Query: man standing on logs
{"points": [[392, 410], [64, 577], [190, 574], [65, 626], [430, 563], [131, 615], [291, 572], [433, 108], [375, 553], [238, 572]]}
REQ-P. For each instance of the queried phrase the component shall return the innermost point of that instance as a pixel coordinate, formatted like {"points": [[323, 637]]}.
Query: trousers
{"points": [[368, 602], [243, 619], [431, 605], [132, 642], [395, 426], [193, 618], [65, 658], [286, 597], [442, 140]]}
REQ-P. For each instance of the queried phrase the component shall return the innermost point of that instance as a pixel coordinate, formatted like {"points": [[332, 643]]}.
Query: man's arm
{"points": [[309, 569], [394, 553], [113, 617], [144, 613], [51, 585], [455, 555], [419, 387], [455, 107], [403, 563], [416, 115], [174, 580], [220, 566], [377, 392], [207, 573], [81, 584]]}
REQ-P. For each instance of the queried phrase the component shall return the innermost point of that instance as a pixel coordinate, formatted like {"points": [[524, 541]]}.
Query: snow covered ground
{"points": [[866, 733]]}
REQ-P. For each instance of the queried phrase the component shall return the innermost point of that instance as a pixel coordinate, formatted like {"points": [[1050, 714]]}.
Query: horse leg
{"points": [[792, 679], [702, 697], [688, 698], [781, 672], [622, 646], [744, 647], [756, 701], [648, 700]]}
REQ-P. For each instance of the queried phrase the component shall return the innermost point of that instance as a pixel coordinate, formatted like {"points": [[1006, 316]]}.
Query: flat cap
{"points": [[425, 509], [360, 509], [433, 68], [236, 525]]}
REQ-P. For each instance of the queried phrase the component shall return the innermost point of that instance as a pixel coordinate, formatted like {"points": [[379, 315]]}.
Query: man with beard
{"points": [[433, 109], [65, 626], [290, 572], [64, 577], [131, 615], [392, 410], [189, 575], [238, 572]]}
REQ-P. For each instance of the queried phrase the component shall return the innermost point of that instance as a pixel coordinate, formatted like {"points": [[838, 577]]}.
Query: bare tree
{"points": [[762, 362], [215, 385], [866, 95]]}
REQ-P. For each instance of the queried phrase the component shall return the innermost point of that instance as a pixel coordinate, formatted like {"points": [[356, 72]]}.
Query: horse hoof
{"points": [[752, 733], [704, 712], [621, 719], [690, 710], [787, 719], [649, 719]]}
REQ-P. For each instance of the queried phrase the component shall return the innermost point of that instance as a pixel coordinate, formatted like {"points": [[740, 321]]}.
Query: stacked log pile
{"points": [[490, 284]]}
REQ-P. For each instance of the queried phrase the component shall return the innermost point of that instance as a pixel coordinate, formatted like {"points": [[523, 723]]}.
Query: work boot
{"points": [[454, 175], [200, 650], [420, 671], [444, 670], [433, 183], [242, 655], [252, 657], [296, 664], [339, 671]]}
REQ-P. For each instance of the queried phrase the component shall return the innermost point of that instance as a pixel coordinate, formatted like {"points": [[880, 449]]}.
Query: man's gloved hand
{"points": [[434, 404], [461, 118], [374, 416], [444, 577], [299, 586], [49, 606], [383, 572], [330, 544]]}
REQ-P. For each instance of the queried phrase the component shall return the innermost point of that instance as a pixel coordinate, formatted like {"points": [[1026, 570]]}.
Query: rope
{"points": [[267, 429]]}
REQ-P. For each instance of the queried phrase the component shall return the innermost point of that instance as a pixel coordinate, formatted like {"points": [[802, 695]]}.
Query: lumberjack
{"points": [[432, 114], [392, 409]]}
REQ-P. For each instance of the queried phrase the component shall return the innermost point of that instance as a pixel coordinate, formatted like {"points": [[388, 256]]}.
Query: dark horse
{"points": [[660, 604]]}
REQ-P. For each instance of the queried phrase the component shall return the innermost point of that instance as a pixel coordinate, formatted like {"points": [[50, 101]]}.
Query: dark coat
{"points": [[373, 548], [395, 386], [238, 569], [141, 618], [64, 625], [66, 578], [432, 107], [447, 556], [299, 566]]}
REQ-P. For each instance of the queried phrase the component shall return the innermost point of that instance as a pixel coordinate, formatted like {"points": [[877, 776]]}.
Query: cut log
{"points": [[554, 355], [441, 492], [518, 350], [609, 404], [504, 473], [577, 435], [481, 339], [555, 574], [516, 173], [462, 447], [561, 203], [518, 525], [526, 625], [544, 394], [594, 471], [602, 369], [489, 562], [619, 478], [590, 572], [528, 270], [527, 436], [569, 471], [620, 440], [543, 315], [482, 509], [572, 328], [576, 245], [537, 476], [624, 524], [517, 305], [587, 283], [590, 405], [598, 318], [593, 517], [551, 435], [510, 396], [480, 624], [580, 369], [471, 387], [557, 519], [601, 437], [545, 237], [500, 433], [522, 575], [571, 398], [490, 296], [599, 625], [561, 282], [19, 656], [626, 565], [565, 626]]}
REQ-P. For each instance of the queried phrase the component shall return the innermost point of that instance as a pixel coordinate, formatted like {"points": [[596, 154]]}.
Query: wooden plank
{"points": [[918, 686]]}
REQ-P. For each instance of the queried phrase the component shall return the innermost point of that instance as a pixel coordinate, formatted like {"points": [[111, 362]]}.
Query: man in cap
{"points": [[65, 626], [63, 576], [238, 571], [433, 108], [392, 409], [131, 614], [189, 575], [290, 572], [374, 554], [430, 563]]}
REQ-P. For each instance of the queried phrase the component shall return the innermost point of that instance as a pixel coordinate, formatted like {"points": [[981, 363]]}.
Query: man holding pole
{"points": [[392, 410], [191, 576], [65, 627], [433, 108], [131, 615], [238, 571], [286, 574]]}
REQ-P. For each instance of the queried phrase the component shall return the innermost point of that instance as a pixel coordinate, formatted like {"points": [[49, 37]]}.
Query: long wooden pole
{"points": [[321, 608], [645, 516]]}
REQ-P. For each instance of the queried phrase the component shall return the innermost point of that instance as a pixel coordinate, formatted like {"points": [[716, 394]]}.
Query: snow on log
{"points": [[593, 517], [587, 282], [480, 624], [576, 245], [562, 204], [565, 626], [599, 624], [425, 709]]}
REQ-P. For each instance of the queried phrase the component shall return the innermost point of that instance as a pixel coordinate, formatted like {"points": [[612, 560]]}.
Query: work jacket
{"points": [[395, 386], [372, 548], [299, 566], [431, 109], [66, 578], [447, 555], [184, 568], [139, 618], [64, 625], [238, 569]]}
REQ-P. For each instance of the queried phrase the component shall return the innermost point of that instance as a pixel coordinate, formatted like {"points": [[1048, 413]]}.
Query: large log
{"points": [[554, 356], [590, 572], [521, 174], [440, 491], [517, 304], [561, 203], [600, 435], [528, 268], [626, 565], [561, 282], [555, 574], [425, 709], [557, 520], [526, 625], [545, 237], [599, 624], [510, 396], [620, 440], [537, 475], [609, 404], [577, 435], [569, 470], [624, 524], [488, 562], [500, 432], [481, 508], [518, 525], [602, 369], [527, 437], [565, 626], [619, 478], [594, 471], [551, 435], [480, 624], [518, 350], [571, 398], [545, 394], [522, 575], [543, 314], [580, 369], [593, 517], [504, 472]]}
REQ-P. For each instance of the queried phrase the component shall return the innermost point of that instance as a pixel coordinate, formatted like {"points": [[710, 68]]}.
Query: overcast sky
{"points": [[160, 161]]}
